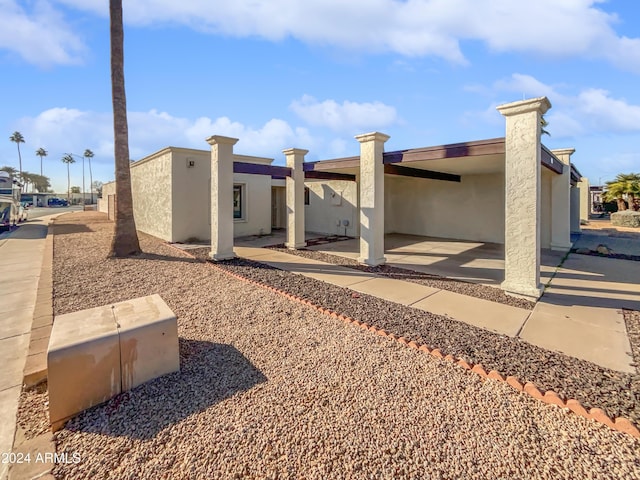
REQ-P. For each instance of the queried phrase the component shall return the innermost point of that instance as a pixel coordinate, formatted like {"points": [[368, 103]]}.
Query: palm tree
{"points": [[41, 152], [125, 240], [624, 185], [68, 159], [89, 154], [18, 139]]}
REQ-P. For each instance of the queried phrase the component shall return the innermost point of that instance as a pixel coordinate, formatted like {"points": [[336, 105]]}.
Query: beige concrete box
{"points": [[83, 362], [148, 340], [98, 353]]}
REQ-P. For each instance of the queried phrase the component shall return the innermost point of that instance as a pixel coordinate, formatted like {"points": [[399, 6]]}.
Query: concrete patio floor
{"points": [[475, 262]]}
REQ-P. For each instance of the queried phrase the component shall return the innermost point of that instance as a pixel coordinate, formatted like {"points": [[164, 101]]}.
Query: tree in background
{"points": [[41, 152], [75, 189], [97, 186], [68, 159], [125, 240], [625, 185], [88, 154], [18, 139], [41, 183]]}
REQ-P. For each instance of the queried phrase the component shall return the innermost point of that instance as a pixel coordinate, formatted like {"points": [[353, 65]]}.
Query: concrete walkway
{"points": [[579, 315], [21, 255]]}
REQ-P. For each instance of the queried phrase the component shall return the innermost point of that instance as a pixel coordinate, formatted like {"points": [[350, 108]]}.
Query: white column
{"points": [[585, 199], [221, 197], [575, 210], [372, 198], [522, 196], [295, 198], [561, 203]]}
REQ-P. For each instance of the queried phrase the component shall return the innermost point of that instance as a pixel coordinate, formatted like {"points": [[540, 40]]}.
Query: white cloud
{"points": [[409, 28], [590, 111], [348, 117], [62, 130], [40, 36]]}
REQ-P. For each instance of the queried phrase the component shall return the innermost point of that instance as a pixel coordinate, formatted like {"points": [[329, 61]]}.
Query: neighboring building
{"points": [[597, 202]]}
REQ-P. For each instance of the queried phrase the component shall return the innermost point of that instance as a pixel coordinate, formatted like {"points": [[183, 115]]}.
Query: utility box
{"points": [[96, 354]]}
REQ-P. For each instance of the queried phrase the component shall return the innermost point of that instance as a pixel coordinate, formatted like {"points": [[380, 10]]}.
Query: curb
{"points": [[35, 369], [549, 397]]}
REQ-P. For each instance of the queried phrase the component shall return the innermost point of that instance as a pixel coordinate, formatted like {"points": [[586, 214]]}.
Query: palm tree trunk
{"points": [[19, 159], [621, 205], [125, 241], [68, 185], [90, 181]]}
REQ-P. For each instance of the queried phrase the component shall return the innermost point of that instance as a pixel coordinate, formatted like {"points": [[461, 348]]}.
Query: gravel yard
{"points": [[270, 388]]}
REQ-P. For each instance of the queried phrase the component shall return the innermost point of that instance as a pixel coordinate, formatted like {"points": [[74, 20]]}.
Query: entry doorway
{"points": [[278, 207]]}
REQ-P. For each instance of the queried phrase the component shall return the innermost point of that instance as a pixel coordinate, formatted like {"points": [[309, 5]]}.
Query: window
{"points": [[238, 202], [306, 195]]}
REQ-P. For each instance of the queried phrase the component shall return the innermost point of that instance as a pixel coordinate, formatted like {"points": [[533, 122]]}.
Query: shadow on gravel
{"points": [[210, 373], [60, 228], [163, 258]]}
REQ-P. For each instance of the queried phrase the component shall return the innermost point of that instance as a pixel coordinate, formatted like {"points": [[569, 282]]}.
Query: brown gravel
{"points": [[269, 388], [615, 392]]}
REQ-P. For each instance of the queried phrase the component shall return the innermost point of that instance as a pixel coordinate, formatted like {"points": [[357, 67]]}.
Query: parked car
{"points": [[57, 202]]}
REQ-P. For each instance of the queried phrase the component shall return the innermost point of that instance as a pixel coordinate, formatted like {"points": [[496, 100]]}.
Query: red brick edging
{"points": [[620, 424]]}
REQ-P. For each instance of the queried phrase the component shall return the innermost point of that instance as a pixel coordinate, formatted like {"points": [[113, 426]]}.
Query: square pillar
{"points": [[295, 198], [522, 196], [221, 197], [585, 199], [561, 203], [372, 198], [575, 210]]}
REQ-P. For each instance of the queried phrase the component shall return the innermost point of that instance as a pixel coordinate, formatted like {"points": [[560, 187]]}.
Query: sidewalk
{"points": [[21, 256], [579, 315]]}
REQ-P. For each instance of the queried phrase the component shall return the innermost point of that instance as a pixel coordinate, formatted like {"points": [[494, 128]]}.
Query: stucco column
{"points": [[575, 210], [221, 197], [372, 198], [585, 199], [522, 196], [561, 203], [295, 198]]}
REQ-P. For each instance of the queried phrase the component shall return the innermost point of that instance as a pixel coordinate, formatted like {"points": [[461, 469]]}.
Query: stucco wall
{"points": [[107, 189], [257, 213], [545, 207], [191, 195], [331, 201], [152, 195], [470, 210]]}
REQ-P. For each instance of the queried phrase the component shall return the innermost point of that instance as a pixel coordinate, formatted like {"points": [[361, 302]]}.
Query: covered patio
{"points": [[464, 260]]}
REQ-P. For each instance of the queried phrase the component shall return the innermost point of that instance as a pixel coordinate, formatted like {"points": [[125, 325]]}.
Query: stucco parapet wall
{"points": [[252, 159], [168, 150], [541, 104], [372, 136]]}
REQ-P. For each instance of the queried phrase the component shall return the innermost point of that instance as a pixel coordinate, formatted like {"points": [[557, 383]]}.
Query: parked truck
{"points": [[10, 208]]}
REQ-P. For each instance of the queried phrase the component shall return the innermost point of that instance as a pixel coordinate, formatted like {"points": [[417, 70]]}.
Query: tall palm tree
{"points": [[624, 185], [125, 240], [68, 159], [89, 155], [41, 152], [18, 139]]}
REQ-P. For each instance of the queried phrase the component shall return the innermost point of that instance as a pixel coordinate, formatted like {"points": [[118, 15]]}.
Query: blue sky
{"points": [[312, 74]]}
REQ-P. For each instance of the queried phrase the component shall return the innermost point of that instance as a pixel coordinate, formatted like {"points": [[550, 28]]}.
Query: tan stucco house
{"points": [[509, 190]]}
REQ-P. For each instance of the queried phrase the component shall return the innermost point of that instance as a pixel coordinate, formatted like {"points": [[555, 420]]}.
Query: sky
{"points": [[313, 74]]}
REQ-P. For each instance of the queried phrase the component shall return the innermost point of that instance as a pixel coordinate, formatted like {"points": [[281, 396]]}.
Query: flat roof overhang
{"points": [[442, 162]]}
